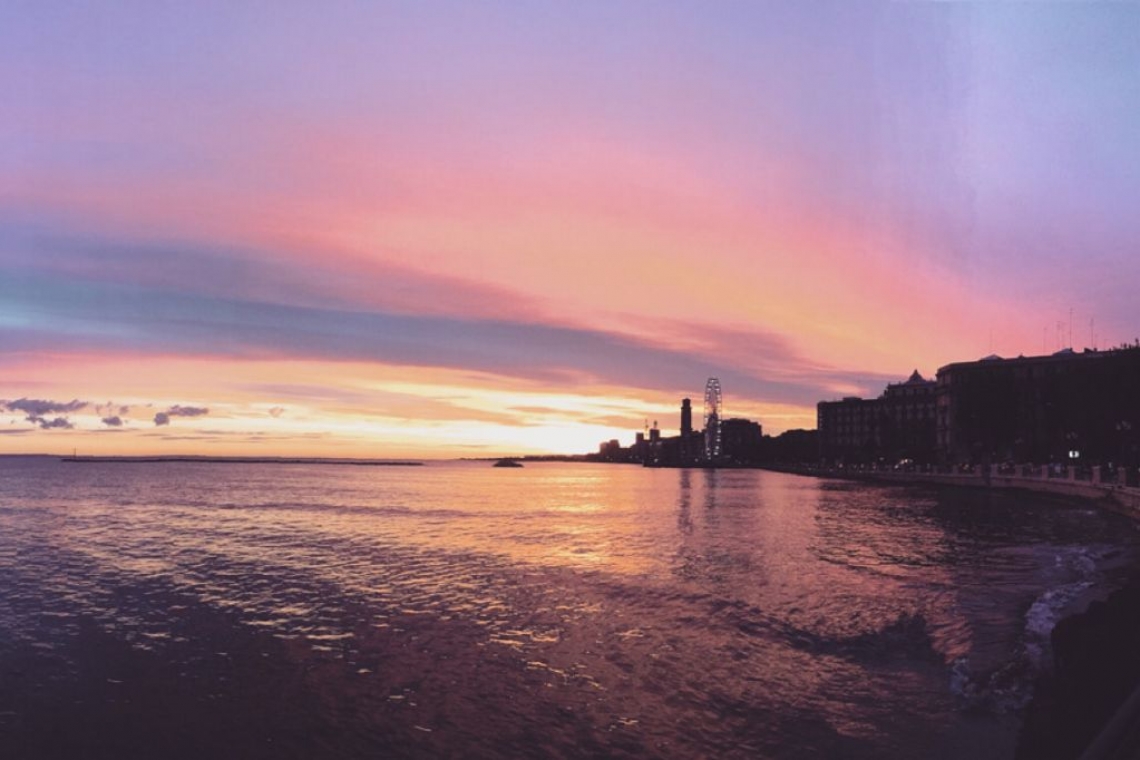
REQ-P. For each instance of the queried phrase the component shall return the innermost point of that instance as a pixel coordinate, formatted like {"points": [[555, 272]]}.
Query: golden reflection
{"points": [[684, 501], [582, 509]]}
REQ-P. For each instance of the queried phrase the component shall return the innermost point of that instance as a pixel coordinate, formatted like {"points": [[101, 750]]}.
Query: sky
{"points": [[459, 229]]}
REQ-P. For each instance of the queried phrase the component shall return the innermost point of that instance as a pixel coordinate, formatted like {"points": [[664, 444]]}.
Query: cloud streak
{"points": [[328, 280], [207, 326]]}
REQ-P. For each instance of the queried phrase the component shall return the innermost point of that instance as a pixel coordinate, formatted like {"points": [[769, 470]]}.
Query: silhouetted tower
{"points": [[686, 417], [713, 413]]}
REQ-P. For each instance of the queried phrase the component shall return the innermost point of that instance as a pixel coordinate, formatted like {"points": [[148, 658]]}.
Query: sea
{"points": [[562, 610]]}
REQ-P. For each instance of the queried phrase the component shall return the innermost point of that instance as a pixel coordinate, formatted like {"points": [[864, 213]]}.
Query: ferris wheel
{"points": [[713, 414]]}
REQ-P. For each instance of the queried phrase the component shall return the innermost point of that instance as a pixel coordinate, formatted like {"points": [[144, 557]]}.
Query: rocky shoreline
{"points": [[1096, 648], [1096, 668]]}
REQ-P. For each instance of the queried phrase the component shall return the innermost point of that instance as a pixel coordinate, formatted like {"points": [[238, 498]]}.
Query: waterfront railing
{"points": [[1118, 486]]}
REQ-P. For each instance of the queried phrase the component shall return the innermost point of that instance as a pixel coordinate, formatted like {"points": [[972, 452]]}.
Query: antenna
{"points": [[1070, 327]]}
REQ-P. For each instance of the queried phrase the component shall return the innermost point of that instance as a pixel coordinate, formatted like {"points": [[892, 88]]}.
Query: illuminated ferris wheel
{"points": [[713, 414]]}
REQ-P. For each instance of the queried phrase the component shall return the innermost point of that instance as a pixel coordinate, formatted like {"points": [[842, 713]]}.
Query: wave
{"points": [[1010, 686]]}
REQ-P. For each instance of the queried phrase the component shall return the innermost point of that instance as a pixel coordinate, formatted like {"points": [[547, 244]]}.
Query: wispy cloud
{"points": [[88, 292], [315, 279], [206, 326], [110, 409]]}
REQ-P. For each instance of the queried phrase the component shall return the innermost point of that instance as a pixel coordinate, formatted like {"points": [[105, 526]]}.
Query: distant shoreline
{"points": [[237, 460], [536, 458]]}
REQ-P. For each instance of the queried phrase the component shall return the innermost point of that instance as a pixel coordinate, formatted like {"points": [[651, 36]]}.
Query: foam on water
{"points": [[1043, 616], [1071, 573]]}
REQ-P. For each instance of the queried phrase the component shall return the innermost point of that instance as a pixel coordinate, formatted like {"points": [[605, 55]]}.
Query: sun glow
{"points": [[309, 408]]}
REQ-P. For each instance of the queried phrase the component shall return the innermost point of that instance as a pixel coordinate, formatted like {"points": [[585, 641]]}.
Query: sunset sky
{"points": [[425, 229]]}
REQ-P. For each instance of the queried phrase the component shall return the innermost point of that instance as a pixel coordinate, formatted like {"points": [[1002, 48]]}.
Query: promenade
{"points": [[1114, 488]]}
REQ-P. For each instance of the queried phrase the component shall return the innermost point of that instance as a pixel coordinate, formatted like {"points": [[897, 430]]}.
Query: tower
{"points": [[686, 417]]}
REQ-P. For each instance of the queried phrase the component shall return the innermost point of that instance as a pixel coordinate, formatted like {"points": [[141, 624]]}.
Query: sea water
{"points": [[194, 609]]}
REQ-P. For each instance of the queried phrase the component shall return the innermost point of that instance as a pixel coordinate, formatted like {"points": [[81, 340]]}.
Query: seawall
{"points": [[1110, 490]]}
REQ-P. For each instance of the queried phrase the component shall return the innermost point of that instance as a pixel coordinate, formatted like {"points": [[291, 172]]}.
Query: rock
{"points": [[1096, 667]]}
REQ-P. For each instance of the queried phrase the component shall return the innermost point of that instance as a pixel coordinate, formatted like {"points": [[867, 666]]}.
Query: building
{"points": [[849, 430], [1064, 407], [1067, 407], [610, 451], [791, 446], [679, 450], [909, 420], [722, 442], [741, 441], [733, 441], [900, 424]]}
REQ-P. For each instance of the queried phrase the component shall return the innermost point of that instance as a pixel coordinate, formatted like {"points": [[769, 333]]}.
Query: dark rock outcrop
{"points": [[1096, 667]]}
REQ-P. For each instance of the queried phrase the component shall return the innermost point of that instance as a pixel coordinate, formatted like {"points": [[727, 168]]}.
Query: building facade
{"points": [[909, 420], [742, 441], [1067, 407], [901, 424], [849, 430]]}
